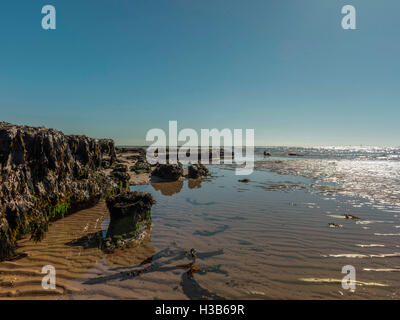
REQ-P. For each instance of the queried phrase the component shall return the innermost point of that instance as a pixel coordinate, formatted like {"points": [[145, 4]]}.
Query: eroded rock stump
{"points": [[130, 214]]}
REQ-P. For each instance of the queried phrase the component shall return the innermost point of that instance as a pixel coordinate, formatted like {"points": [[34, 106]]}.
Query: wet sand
{"points": [[254, 240]]}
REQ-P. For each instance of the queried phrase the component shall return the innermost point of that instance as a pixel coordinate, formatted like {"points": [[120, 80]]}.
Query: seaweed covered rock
{"points": [[168, 171], [129, 203], [197, 171], [45, 174], [119, 174], [141, 166], [122, 178], [130, 214]]}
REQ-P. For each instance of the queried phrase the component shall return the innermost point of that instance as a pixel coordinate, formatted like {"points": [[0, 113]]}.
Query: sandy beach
{"points": [[281, 235]]}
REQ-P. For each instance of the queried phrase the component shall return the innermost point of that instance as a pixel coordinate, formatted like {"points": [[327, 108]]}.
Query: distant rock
{"points": [[267, 154], [141, 166], [168, 171], [197, 171], [140, 151], [295, 155]]}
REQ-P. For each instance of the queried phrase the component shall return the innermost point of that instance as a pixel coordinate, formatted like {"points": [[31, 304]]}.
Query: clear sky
{"points": [[284, 67]]}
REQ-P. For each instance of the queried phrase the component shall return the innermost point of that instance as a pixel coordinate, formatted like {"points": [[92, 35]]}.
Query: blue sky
{"points": [[285, 68]]}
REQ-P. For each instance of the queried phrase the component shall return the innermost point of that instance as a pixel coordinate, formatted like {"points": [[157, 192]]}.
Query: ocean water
{"points": [[367, 172], [268, 238]]}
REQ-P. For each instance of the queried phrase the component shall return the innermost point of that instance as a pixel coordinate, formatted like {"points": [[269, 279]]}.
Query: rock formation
{"points": [[141, 166], [197, 171], [168, 171], [130, 214], [44, 175], [119, 175]]}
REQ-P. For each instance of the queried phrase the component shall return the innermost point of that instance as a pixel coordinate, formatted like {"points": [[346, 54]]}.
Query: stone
{"points": [[129, 203], [130, 217], [121, 178], [168, 171], [141, 166], [196, 171]]}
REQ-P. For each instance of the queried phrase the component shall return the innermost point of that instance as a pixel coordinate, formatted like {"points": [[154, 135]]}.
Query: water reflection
{"points": [[168, 188], [194, 183], [135, 254]]}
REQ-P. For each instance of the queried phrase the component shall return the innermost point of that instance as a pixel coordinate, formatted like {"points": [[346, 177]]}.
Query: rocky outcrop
{"points": [[168, 171], [120, 167], [141, 166], [44, 175], [130, 214], [196, 171], [108, 151], [119, 175], [129, 203]]}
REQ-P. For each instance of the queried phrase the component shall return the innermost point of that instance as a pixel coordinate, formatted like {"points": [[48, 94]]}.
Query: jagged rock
{"points": [[141, 166], [130, 214], [197, 170], [107, 148], [120, 175], [122, 178], [168, 171], [45, 174]]}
